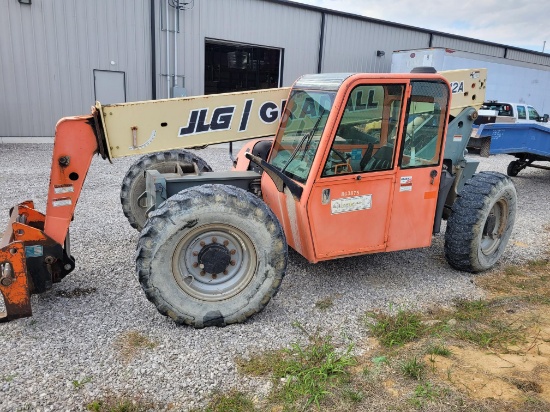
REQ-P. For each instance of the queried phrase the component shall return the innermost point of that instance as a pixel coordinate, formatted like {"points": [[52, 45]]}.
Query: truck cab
{"points": [[502, 112]]}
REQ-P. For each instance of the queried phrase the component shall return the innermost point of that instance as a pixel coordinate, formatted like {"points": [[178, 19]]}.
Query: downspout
{"points": [[153, 54], [176, 27], [167, 52], [321, 43]]}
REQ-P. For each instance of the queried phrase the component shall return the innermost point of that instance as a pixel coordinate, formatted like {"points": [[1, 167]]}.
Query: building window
{"points": [[233, 67]]}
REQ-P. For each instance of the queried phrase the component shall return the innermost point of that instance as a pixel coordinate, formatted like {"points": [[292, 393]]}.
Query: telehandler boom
{"points": [[360, 163]]}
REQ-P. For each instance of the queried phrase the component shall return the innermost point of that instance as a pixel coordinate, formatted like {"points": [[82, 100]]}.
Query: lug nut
{"points": [[225, 242], [202, 273], [195, 264], [232, 263], [202, 243], [233, 251], [195, 253], [214, 275], [214, 240], [225, 272], [201, 266]]}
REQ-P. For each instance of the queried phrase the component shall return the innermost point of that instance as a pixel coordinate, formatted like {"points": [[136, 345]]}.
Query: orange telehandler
{"points": [[360, 163]]}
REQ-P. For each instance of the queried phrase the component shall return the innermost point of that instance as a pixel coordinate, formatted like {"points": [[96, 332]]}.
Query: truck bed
{"points": [[527, 142]]}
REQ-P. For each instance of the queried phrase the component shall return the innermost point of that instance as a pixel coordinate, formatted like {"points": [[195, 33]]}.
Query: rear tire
{"points": [[211, 255], [133, 184], [481, 222]]}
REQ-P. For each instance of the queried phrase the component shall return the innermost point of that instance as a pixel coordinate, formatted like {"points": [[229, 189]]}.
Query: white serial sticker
{"points": [[63, 189], [406, 188], [457, 138], [350, 204], [62, 202]]}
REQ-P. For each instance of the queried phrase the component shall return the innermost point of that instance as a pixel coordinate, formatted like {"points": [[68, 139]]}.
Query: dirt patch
{"points": [[516, 372]]}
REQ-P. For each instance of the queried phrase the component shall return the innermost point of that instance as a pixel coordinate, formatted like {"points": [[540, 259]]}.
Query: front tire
{"points": [[481, 222], [211, 255], [133, 184]]}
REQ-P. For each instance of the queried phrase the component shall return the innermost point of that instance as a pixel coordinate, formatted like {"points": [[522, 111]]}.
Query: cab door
{"points": [[349, 207], [419, 166]]}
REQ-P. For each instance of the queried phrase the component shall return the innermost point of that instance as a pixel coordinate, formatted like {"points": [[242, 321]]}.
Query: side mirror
{"points": [[544, 118]]}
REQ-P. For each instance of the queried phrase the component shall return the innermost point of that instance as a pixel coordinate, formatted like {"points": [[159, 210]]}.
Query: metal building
{"points": [[58, 56]]}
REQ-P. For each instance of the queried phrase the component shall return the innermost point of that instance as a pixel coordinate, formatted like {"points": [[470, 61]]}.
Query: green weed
{"points": [[439, 350], [324, 304], [79, 384], [234, 401], [413, 368], [303, 374], [396, 330]]}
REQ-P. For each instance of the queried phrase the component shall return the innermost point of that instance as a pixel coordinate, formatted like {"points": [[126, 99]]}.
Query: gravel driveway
{"points": [[66, 354]]}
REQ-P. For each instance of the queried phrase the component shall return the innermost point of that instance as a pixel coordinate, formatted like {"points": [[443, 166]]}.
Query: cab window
{"points": [[424, 124], [365, 138], [521, 112], [533, 114]]}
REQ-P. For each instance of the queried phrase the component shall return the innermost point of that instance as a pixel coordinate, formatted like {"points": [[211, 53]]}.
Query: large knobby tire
{"points": [[211, 255], [133, 184], [481, 222]]}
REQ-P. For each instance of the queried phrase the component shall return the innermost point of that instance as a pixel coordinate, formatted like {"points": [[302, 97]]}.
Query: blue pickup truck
{"points": [[512, 128]]}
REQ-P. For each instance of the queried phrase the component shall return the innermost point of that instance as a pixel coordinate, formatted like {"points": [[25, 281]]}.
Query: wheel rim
{"points": [[214, 262], [494, 227]]}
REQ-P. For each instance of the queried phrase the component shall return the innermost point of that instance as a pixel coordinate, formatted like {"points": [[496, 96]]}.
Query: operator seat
{"points": [[381, 160]]}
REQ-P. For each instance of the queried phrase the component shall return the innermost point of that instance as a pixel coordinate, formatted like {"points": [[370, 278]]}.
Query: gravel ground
{"points": [[74, 338]]}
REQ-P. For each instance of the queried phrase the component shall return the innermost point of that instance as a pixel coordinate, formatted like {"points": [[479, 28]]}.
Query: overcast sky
{"points": [[517, 23]]}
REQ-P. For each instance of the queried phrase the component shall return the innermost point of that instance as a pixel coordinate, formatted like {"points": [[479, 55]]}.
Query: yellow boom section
{"points": [[144, 127]]}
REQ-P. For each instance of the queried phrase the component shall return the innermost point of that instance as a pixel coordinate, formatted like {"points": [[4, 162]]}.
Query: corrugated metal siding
{"points": [[296, 31], [351, 44], [48, 51], [465, 45], [528, 57]]}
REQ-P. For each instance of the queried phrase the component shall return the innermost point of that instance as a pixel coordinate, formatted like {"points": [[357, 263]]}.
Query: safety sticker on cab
{"points": [[350, 204], [406, 184]]}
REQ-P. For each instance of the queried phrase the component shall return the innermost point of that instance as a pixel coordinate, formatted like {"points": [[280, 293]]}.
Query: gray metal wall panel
{"points": [[351, 44], [48, 51], [528, 57], [296, 31], [465, 45]]}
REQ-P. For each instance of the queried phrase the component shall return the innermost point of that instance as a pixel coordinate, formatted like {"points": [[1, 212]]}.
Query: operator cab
{"points": [[367, 152]]}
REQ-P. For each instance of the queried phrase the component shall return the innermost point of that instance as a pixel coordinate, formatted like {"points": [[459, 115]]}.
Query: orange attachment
{"points": [[14, 284]]}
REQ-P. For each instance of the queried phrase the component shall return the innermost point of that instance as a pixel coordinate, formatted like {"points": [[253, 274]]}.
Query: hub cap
{"points": [[214, 262]]}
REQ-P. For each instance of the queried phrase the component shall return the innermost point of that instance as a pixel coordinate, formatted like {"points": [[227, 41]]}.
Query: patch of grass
{"points": [[470, 309], [324, 304], [302, 374], [233, 401], [425, 391], [131, 342], [413, 368], [395, 330], [79, 384], [353, 395], [494, 334], [439, 350], [8, 378], [121, 403]]}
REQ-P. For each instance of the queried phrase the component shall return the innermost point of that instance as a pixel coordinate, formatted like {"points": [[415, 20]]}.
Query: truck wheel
{"points": [[133, 184], [481, 222], [513, 168], [211, 255]]}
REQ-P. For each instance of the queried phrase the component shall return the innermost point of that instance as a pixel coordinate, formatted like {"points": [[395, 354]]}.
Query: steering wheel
{"points": [[340, 155]]}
